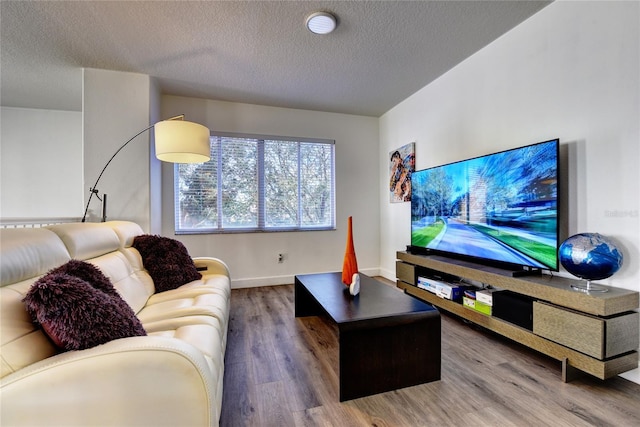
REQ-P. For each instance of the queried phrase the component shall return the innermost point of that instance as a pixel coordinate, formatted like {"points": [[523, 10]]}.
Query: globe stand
{"points": [[588, 287]]}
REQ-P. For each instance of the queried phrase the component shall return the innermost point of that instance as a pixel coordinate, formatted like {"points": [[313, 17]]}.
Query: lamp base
{"points": [[588, 287]]}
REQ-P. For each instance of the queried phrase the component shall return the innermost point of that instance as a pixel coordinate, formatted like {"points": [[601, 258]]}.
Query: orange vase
{"points": [[350, 263]]}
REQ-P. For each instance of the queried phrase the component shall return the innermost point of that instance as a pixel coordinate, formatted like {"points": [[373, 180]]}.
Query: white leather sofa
{"points": [[171, 377]]}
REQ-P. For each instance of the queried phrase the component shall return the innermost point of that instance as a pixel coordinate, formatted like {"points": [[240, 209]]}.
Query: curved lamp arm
{"points": [[93, 190]]}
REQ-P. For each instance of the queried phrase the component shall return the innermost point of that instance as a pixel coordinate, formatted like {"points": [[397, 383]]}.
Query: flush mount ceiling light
{"points": [[321, 23]]}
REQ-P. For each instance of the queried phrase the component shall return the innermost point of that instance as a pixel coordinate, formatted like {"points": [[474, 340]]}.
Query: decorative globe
{"points": [[590, 256]]}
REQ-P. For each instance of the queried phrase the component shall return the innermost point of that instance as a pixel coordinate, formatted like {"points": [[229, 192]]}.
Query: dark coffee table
{"points": [[388, 340]]}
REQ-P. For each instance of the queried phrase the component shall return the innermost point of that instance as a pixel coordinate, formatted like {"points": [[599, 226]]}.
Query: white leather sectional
{"points": [[173, 376]]}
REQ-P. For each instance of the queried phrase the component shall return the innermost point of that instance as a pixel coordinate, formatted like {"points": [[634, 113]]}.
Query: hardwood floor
{"points": [[282, 371]]}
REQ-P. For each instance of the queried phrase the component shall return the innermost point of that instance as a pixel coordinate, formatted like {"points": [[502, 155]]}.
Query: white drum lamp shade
{"points": [[179, 141]]}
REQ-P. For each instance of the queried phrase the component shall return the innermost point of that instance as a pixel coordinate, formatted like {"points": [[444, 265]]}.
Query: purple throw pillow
{"points": [[92, 275], [89, 273], [167, 261], [76, 315]]}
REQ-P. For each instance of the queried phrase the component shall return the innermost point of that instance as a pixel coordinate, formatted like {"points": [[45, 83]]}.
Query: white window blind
{"points": [[257, 183]]}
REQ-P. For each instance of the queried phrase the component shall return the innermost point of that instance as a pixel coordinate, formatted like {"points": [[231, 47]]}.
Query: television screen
{"points": [[502, 207]]}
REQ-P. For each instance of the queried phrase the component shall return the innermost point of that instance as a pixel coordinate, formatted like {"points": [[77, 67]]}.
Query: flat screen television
{"points": [[499, 209]]}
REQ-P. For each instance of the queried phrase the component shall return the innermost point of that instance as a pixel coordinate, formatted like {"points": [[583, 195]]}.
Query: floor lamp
{"points": [[176, 141]]}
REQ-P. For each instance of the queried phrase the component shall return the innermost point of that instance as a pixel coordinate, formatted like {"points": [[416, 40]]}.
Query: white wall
{"points": [[41, 163], [252, 257], [115, 108], [571, 71]]}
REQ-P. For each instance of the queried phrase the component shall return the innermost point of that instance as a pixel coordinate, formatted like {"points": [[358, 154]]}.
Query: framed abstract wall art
{"points": [[402, 163]]}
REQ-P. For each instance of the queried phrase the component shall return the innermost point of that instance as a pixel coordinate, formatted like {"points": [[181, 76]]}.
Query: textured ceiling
{"points": [[255, 52]]}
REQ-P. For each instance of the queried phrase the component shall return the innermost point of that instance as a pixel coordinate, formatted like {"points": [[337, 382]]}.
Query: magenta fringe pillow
{"points": [[94, 276], [89, 273], [167, 261], [77, 314]]}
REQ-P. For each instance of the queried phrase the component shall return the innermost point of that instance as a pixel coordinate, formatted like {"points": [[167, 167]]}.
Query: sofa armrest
{"points": [[131, 381], [208, 265]]}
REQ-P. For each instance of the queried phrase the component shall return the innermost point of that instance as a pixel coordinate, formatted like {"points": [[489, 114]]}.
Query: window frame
{"points": [[261, 226]]}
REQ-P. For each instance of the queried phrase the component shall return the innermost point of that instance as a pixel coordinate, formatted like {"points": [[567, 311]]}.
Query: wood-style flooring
{"points": [[283, 371]]}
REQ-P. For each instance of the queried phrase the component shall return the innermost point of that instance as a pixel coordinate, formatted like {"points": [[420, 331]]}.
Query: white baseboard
{"points": [[284, 280], [633, 375], [261, 281], [388, 274]]}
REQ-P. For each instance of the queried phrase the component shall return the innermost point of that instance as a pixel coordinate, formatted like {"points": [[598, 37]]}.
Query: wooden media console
{"points": [[596, 333]]}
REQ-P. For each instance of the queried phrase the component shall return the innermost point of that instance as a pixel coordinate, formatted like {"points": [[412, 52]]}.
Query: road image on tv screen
{"points": [[500, 207]]}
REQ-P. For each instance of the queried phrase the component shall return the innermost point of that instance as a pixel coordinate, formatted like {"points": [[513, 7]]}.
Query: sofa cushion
{"points": [[209, 304], [85, 240], [126, 232], [28, 253], [166, 260], [76, 315], [133, 283]]}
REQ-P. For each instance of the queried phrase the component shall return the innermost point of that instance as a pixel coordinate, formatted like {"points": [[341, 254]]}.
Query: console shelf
{"points": [[593, 333]]}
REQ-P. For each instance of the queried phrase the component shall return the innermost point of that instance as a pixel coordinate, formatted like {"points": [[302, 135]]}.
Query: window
{"points": [[257, 183]]}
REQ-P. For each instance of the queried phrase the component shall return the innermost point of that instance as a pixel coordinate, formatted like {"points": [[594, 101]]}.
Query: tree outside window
{"points": [[255, 183]]}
